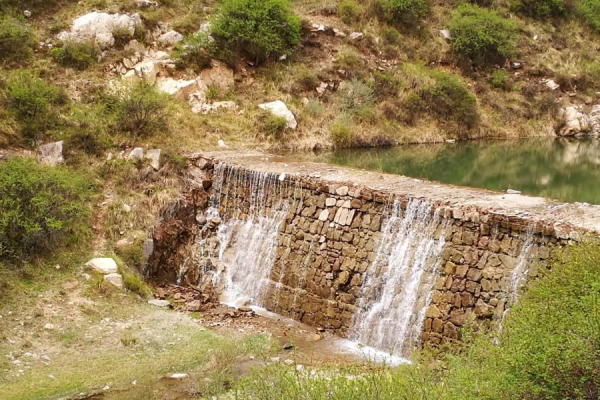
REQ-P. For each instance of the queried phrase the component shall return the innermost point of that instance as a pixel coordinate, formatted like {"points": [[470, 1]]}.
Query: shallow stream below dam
{"points": [[562, 169]]}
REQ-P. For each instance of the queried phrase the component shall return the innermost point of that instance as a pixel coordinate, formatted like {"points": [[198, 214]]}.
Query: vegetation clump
{"points": [[348, 10], [403, 12], [541, 8], [15, 40], [482, 34], [194, 51], [589, 11], [257, 29], [75, 55], [40, 208]]}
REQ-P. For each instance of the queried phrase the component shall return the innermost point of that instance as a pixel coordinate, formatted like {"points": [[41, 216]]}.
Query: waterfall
{"points": [[397, 288], [248, 234]]}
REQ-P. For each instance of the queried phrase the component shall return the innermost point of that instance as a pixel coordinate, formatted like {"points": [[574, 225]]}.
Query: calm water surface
{"points": [[562, 169]]}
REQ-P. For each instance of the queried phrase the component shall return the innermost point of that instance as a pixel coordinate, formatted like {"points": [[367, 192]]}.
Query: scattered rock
{"points": [[146, 4], [552, 85], [516, 64], [27, 14], [222, 144], [181, 89], [51, 153], [159, 303], [355, 35], [170, 38], [103, 266], [154, 157], [115, 279], [218, 76], [49, 326], [214, 107], [512, 191], [574, 121], [338, 33], [70, 285], [179, 376], [126, 208], [288, 346], [279, 109], [446, 34], [136, 154]]}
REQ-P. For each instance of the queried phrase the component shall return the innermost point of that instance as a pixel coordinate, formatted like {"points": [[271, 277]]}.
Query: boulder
{"points": [[279, 109], [218, 76], [103, 266], [99, 26], [51, 153], [178, 88], [115, 279], [594, 120], [136, 154], [154, 157], [574, 121], [170, 38]]}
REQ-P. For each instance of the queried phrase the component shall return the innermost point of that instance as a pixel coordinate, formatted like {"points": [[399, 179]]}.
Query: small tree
{"points": [[589, 11], [142, 111], [15, 40], [482, 34], [407, 12], [40, 207], [255, 28]]}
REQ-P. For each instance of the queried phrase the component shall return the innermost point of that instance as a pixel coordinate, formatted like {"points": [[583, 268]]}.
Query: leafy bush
{"points": [[15, 39], [254, 28], [348, 10], [75, 55], [407, 12], [391, 36], [499, 79], [306, 80], [385, 84], [354, 95], [442, 95], [341, 133], [122, 36], [540, 8], [272, 125], [142, 111], [481, 34], [194, 51], [589, 11], [32, 101], [40, 207]]}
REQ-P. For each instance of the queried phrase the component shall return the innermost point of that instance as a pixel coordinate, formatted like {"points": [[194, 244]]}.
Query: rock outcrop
{"points": [[99, 27], [51, 153], [279, 109], [575, 121]]}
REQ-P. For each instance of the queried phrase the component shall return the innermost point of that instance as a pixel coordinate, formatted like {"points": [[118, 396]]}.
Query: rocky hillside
{"points": [[104, 75]]}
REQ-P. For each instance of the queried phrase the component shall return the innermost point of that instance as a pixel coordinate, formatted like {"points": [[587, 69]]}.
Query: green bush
{"points": [[589, 11], [273, 126], [405, 12], [348, 11], [254, 28], [194, 51], [40, 207], [306, 80], [75, 55], [385, 84], [15, 40], [355, 95], [499, 79], [141, 112], [33, 101], [540, 8], [122, 36], [482, 34]]}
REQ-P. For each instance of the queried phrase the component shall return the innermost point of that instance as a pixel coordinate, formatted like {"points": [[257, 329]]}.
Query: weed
{"points": [[354, 95]]}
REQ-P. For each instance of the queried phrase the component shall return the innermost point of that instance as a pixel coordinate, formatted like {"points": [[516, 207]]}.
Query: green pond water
{"points": [[562, 169]]}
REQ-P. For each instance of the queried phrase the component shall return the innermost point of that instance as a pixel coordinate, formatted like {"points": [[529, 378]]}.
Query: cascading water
{"points": [[397, 289], [248, 238]]}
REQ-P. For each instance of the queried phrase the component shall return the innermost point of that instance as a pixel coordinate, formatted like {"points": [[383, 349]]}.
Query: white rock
{"points": [[51, 153], [49, 326], [330, 201], [45, 358], [338, 33], [136, 154], [355, 35], [170, 38], [342, 190], [218, 76], [574, 120], [115, 279], [204, 27], [103, 266], [594, 121], [99, 26], [214, 107], [27, 14], [222, 144], [279, 109], [552, 85], [323, 215], [146, 4], [159, 303], [154, 157], [512, 191], [126, 208], [180, 89], [446, 34], [179, 376]]}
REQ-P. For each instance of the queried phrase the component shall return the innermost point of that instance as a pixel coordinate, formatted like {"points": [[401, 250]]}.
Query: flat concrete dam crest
{"points": [[579, 216]]}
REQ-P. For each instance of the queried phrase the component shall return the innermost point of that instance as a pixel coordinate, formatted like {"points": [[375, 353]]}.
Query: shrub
{"points": [[340, 133], [391, 36], [75, 55], [142, 111], [481, 34], [32, 101], [306, 81], [40, 207], [254, 28], [589, 11], [194, 51], [385, 84], [15, 40], [355, 95], [499, 79], [273, 126], [407, 12], [348, 11], [122, 36], [540, 8]]}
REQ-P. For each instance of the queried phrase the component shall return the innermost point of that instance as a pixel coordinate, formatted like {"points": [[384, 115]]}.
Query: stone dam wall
{"points": [[386, 268]]}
